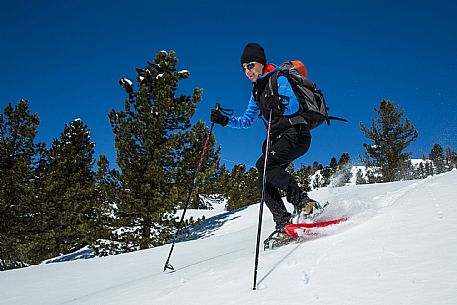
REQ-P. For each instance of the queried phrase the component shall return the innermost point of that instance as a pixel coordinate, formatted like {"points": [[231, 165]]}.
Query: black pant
{"points": [[290, 145]]}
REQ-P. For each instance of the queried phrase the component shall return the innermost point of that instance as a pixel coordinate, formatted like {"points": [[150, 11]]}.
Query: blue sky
{"points": [[66, 59]]}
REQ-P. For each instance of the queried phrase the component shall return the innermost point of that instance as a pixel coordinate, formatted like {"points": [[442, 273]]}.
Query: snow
{"points": [[128, 81], [416, 162], [398, 247], [85, 252], [214, 208]]}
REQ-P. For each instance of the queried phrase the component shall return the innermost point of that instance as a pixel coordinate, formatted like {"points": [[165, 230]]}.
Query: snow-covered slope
{"points": [[399, 247]]}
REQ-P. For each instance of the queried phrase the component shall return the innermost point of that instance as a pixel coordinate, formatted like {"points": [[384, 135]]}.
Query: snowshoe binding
{"points": [[308, 210], [277, 239]]}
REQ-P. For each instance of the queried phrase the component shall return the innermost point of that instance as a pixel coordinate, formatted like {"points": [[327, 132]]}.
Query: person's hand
{"points": [[275, 104], [218, 118]]}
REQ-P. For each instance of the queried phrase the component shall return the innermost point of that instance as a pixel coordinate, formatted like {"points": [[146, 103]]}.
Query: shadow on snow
{"points": [[207, 227]]}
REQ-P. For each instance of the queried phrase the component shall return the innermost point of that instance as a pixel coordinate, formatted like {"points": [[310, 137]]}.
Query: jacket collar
{"points": [[269, 68]]}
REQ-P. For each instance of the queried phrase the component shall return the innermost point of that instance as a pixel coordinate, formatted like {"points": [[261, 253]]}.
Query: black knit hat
{"points": [[253, 52]]}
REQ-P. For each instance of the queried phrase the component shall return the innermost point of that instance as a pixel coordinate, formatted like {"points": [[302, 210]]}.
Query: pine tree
{"points": [[67, 195], [222, 177], [344, 159], [317, 181], [235, 192], [326, 176], [150, 136], [360, 178], [189, 157], [243, 188], [343, 171], [390, 137], [304, 177], [372, 177], [252, 194], [437, 156], [421, 171], [316, 166], [107, 190], [291, 169], [18, 153], [429, 169], [451, 156], [408, 171], [333, 165]]}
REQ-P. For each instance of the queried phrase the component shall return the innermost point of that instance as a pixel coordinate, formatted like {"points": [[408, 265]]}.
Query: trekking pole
{"points": [[259, 227], [205, 145]]}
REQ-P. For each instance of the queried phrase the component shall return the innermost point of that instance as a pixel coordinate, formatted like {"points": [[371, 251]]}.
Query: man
{"points": [[290, 136]]}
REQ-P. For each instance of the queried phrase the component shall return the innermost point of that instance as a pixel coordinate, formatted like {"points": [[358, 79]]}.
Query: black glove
{"points": [[275, 104], [218, 118]]}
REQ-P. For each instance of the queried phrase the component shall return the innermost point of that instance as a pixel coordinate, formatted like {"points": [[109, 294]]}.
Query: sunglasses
{"points": [[248, 66]]}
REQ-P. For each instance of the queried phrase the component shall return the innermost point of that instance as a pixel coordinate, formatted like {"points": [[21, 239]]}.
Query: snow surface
{"points": [[215, 208], [399, 247], [128, 81]]}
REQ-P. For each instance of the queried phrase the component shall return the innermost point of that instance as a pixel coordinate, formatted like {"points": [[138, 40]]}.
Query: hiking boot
{"points": [[306, 206], [277, 239], [310, 207]]}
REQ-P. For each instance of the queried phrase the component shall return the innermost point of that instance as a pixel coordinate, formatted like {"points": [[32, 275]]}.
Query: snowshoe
{"points": [[277, 239], [298, 230]]}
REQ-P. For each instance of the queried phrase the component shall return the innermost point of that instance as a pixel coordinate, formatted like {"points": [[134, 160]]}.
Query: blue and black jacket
{"points": [[259, 99]]}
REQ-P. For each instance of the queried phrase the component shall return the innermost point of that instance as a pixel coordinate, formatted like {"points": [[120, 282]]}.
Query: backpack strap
{"points": [[337, 119], [273, 85]]}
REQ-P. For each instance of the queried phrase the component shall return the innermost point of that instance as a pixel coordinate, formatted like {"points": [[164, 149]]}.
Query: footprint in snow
{"points": [[305, 278]]}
